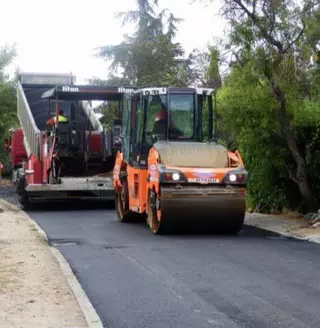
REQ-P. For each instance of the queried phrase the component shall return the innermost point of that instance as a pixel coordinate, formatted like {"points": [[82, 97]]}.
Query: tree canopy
{"points": [[274, 89], [8, 108], [150, 56]]}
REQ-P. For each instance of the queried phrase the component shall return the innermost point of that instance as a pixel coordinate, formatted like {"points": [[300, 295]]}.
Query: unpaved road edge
{"points": [[90, 315]]}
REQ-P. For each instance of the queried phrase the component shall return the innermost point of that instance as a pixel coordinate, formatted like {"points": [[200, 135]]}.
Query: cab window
{"points": [[182, 116], [126, 127]]}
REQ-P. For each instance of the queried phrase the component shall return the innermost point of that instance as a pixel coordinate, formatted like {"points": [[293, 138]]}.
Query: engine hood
{"points": [[192, 154]]}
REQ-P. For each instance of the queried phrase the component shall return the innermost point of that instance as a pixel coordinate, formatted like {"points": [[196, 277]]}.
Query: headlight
{"points": [[175, 176], [232, 177], [167, 175], [236, 177]]}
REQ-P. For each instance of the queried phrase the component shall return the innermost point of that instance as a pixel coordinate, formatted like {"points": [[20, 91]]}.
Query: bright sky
{"points": [[60, 36]]}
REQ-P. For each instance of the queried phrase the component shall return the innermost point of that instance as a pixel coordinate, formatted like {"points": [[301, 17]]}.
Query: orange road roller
{"points": [[170, 171]]}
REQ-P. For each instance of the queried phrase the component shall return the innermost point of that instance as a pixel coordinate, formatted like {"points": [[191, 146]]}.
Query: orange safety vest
{"points": [[61, 119]]}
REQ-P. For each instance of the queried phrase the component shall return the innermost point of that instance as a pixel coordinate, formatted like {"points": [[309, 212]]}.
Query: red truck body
{"points": [[84, 150], [19, 157], [18, 152]]}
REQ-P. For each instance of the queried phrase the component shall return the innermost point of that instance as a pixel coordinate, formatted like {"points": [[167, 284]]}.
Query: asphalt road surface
{"points": [[136, 279]]}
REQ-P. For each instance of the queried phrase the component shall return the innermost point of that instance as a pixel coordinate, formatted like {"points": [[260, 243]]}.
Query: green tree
{"points": [[207, 64], [8, 106], [149, 56], [269, 87], [109, 109]]}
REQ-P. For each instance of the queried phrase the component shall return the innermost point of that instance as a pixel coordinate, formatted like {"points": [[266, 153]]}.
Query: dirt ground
{"points": [[286, 225], [33, 290]]}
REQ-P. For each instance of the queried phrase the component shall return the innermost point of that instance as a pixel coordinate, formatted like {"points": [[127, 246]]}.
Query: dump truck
{"points": [[170, 170], [64, 161]]}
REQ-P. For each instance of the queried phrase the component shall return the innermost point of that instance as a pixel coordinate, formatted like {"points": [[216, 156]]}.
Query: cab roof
{"points": [[164, 90], [86, 92]]}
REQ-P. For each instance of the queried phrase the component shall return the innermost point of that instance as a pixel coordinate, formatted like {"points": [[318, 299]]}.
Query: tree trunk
{"points": [[301, 175]]}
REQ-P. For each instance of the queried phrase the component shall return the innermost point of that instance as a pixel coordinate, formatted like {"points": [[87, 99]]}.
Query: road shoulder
{"points": [[288, 226], [34, 292]]}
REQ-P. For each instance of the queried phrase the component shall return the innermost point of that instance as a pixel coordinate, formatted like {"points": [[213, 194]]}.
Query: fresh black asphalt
{"points": [[139, 280]]}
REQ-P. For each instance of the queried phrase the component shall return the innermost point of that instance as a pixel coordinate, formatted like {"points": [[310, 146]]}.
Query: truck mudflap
{"points": [[73, 188], [212, 209]]}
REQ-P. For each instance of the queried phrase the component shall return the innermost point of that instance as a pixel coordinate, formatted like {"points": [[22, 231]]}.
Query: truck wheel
{"points": [[14, 180], [25, 203], [24, 199], [124, 214], [51, 179], [12, 177]]}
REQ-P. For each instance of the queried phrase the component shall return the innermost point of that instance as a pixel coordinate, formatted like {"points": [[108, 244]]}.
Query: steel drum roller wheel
{"points": [[233, 228], [157, 223], [124, 214], [213, 214]]}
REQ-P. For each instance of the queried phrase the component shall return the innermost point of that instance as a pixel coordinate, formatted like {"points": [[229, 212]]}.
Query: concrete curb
{"points": [[289, 235], [9, 207], [313, 239], [87, 308]]}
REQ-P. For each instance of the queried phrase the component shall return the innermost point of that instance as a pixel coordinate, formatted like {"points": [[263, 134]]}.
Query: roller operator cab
{"points": [[170, 170]]}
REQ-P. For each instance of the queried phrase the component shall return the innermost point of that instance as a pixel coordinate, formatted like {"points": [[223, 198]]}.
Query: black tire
{"points": [[14, 182], [23, 197], [11, 177], [25, 203]]}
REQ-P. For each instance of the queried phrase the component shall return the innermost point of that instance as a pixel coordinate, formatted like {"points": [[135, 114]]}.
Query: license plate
{"points": [[204, 181]]}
